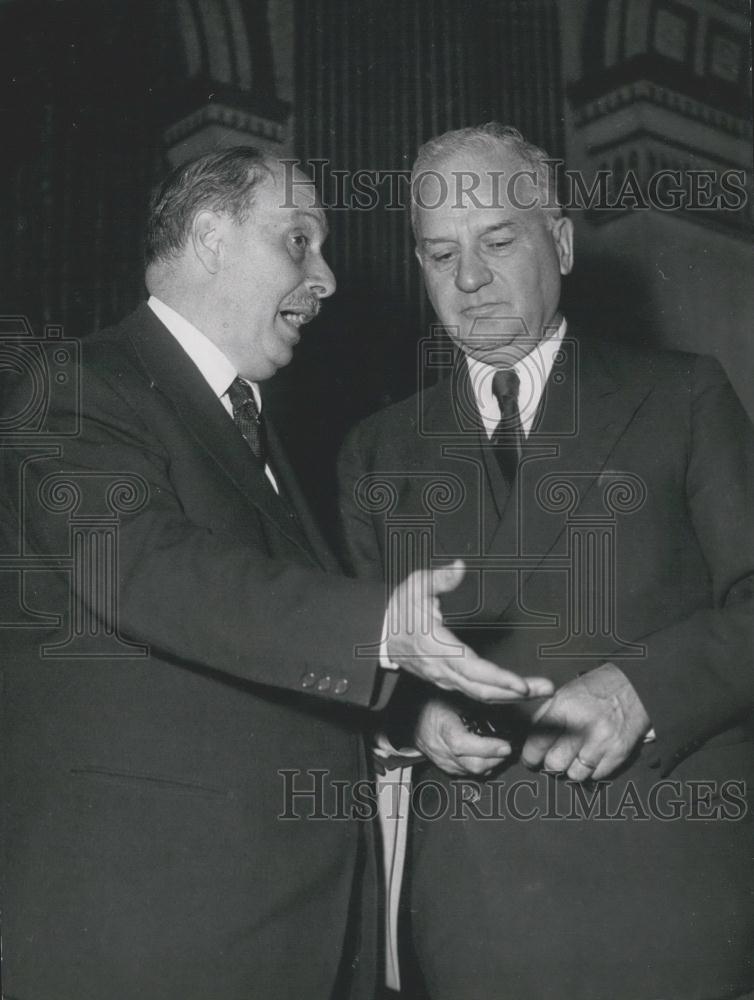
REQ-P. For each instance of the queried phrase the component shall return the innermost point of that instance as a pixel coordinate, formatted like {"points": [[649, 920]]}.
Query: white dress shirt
{"points": [[533, 370], [215, 368]]}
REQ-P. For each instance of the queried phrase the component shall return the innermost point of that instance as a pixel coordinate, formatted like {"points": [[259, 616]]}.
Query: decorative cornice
{"points": [[645, 135], [661, 96], [720, 201], [732, 98], [229, 117]]}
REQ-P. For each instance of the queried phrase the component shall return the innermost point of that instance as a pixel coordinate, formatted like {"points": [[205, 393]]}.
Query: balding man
{"points": [[178, 777], [602, 497]]}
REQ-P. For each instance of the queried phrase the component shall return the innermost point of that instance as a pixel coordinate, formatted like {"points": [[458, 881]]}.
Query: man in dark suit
{"points": [[180, 742], [601, 497]]}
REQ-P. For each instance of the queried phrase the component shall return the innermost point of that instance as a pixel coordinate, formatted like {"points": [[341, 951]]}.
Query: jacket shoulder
{"points": [[397, 426], [110, 351], [656, 366]]}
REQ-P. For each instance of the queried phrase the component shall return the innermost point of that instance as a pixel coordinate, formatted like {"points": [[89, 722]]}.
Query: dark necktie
{"points": [[508, 438], [247, 417]]}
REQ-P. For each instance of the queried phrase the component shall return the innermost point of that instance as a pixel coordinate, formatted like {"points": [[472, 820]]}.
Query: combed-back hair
{"points": [[222, 182], [489, 137]]}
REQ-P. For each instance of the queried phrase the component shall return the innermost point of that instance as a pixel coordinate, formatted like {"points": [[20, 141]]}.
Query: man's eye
{"points": [[498, 244], [300, 241], [443, 257]]}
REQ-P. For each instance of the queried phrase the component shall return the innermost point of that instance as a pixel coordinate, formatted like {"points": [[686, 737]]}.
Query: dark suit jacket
{"points": [[143, 853], [628, 537]]}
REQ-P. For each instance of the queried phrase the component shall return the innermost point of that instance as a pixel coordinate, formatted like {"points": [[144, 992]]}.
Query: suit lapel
{"points": [[455, 440], [450, 452], [582, 418], [172, 371], [291, 490]]}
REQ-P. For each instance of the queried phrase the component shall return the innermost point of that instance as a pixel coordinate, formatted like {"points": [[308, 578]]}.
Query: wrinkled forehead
{"points": [[476, 182]]}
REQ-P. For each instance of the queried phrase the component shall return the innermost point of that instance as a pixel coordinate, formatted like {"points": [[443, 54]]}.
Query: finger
{"points": [[485, 693], [441, 659], [583, 767], [440, 756], [604, 751], [479, 765], [539, 687], [599, 750], [562, 752], [466, 673], [471, 667], [537, 745], [447, 577], [541, 711], [447, 764], [609, 763], [464, 743]]}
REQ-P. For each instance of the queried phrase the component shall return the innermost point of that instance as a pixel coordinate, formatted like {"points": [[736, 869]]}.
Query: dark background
{"points": [[91, 90]]}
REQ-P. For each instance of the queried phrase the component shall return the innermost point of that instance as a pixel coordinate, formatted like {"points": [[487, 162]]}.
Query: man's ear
{"points": [[418, 255], [206, 239], [562, 235]]}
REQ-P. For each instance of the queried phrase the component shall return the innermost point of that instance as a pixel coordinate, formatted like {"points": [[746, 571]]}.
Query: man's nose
{"points": [[472, 272], [321, 280]]}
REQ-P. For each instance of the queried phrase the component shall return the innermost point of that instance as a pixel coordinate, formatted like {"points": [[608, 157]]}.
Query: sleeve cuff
{"points": [[385, 662], [389, 758]]}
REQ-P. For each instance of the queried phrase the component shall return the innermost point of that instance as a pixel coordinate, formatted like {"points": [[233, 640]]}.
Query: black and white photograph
{"points": [[376, 500]]}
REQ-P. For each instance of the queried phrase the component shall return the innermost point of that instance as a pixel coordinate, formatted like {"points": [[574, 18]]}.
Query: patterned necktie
{"points": [[247, 417], [508, 438]]}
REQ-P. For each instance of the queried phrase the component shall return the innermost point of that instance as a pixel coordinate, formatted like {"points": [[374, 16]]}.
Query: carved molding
{"points": [[664, 97]]}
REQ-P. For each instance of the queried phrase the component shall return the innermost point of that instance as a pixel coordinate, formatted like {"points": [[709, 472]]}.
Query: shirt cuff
{"points": [[385, 662], [389, 758]]}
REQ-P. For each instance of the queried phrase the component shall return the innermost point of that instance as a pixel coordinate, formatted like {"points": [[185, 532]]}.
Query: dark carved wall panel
{"points": [[375, 80], [81, 146], [96, 96], [665, 86]]}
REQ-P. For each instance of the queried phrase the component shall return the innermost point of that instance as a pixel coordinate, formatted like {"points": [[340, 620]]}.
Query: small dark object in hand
{"points": [[505, 724], [480, 726]]}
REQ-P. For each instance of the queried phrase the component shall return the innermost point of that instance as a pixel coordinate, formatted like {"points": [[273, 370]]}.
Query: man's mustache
{"points": [[307, 304]]}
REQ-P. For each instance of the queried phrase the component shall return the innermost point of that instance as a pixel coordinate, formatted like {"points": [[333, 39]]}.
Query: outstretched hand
{"points": [[420, 644]]}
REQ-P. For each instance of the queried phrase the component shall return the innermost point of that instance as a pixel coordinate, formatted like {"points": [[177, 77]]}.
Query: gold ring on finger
{"points": [[585, 763]]}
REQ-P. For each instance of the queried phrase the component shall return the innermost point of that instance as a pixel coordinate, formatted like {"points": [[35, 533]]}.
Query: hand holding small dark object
{"points": [[511, 723]]}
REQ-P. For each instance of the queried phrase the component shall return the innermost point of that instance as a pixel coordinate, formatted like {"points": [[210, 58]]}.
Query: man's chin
{"points": [[503, 353], [264, 368], [281, 350]]}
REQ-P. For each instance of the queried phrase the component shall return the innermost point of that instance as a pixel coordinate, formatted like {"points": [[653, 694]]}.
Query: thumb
{"points": [[542, 710], [447, 577]]}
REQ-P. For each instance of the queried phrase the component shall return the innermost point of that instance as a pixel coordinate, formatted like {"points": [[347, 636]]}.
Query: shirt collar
{"points": [[217, 371], [533, 370]]}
